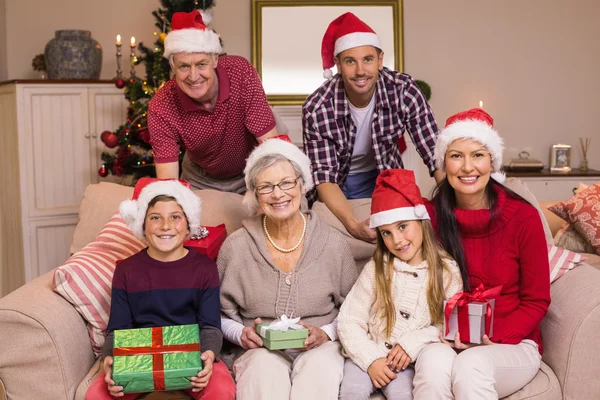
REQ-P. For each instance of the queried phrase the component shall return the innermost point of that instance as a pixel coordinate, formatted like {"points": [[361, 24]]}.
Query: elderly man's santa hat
{"points": [[345, 32], [189, 34]]}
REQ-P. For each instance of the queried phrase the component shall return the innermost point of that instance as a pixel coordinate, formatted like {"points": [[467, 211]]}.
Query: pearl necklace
{"points": [[279, 248]]}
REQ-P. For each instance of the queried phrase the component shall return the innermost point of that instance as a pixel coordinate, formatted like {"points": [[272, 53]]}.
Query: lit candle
{"points": [[119, 72], [132, 42], [480, 103], [132, 58], [118, 40]]}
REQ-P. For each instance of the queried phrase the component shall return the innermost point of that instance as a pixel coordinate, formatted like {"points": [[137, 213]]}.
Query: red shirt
{"points": [[511, 252], [219, 141]]}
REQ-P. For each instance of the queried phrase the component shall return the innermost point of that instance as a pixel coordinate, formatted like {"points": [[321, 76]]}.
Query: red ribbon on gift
{"points": [[461, 302], [157, 350]]}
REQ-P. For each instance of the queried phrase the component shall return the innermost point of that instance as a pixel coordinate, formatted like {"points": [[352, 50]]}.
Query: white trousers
{"points": [[261, 374], [479, 373]]}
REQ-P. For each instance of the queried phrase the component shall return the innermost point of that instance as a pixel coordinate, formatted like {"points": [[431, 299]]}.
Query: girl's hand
{"points": [[380, 374], [458, 345], [316, 336], [199, 382], [115, 391], [397, 359], [250, 339]]}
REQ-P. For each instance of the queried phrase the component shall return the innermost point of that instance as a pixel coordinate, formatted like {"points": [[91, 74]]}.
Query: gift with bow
{"points": [[283, 333], [471, 314]]}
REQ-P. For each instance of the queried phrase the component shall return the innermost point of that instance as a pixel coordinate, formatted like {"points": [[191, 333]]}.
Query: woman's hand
{"points": [[458, 345], [397, 359], [199, 382], [380, 373], [316, 336], [115, 391], [250, 339]]}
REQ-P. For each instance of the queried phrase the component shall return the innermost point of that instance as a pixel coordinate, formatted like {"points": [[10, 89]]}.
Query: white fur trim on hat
{"points": [[356, 39], [418, 212], [192, 40], [470, 129], [134, 211]]}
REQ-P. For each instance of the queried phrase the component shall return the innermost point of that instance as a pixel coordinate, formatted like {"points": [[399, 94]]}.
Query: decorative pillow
{"points": [[583, 212], [562, 261], [568, 238], [85, 280]]}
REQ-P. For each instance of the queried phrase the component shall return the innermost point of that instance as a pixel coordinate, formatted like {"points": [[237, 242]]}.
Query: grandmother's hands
{"points": [[458, 345], [316, 336], [250, 339]]}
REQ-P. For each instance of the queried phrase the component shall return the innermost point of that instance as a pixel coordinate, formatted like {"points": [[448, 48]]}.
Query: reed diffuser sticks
{"points": [[584, 142]]}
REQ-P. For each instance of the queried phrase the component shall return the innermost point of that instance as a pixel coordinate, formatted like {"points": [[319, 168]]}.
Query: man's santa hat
{"points": [[189, 34], [474, 124], [134, 211], [396, 198], [345, 32]]}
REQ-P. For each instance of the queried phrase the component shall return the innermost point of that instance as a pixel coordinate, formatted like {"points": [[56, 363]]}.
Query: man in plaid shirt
{"points": [[353, 122]]}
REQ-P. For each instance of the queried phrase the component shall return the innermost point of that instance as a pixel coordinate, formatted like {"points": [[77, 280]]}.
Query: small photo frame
{"points": [[560, 158]]}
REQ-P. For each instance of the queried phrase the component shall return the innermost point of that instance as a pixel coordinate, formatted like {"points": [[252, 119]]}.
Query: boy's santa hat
{"points": [[396, 198], [134, 211], [345, 32], [474, 124], [189, 34]]}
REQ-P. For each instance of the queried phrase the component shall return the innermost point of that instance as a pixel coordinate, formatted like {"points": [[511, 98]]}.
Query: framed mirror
{"points": [[287, 34]]}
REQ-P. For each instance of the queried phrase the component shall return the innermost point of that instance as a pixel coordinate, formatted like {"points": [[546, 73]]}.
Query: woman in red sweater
{"points": [[497, 239]]}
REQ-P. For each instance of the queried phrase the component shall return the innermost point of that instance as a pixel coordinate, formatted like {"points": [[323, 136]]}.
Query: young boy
{"points": [[166, 284]]}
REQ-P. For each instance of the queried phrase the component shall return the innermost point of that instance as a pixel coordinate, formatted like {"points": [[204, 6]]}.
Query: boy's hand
{"points": [[458, 345], [397, 359], [251, 339], [115, 391], [380, 374], [199, 382]]}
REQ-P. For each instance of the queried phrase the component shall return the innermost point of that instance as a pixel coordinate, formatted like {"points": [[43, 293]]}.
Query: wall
{"points": [[533, 63], [3, 64]]}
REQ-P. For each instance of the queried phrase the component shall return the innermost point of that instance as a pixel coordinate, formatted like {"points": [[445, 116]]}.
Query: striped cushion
{"points": [[562, 261], [85, 280]]}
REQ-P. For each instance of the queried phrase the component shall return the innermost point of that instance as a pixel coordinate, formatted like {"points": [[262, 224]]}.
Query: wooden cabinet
{"points": [[547, 186], [50, 151]]}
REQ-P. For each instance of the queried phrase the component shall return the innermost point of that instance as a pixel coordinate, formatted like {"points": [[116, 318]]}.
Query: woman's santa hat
{"points": [[396, 198], [189, 34], [474, 124], [134, 211], [345, 32]]}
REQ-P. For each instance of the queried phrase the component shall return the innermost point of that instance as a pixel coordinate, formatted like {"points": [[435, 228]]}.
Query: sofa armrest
{"points": [[44, 344], [570, 331]]}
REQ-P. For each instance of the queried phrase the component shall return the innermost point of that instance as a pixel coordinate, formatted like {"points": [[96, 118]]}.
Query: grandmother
{"points": [[284, 261], [497, 239]]}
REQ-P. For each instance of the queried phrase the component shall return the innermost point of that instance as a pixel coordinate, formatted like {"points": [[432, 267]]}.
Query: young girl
{"points": [[396, 306], [166, 284]]}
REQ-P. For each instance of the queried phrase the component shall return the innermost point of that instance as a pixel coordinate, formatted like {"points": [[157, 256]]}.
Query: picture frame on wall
{"points": [[560, 158]]}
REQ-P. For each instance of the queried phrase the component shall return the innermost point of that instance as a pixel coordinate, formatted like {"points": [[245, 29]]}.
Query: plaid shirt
{"points": [[329, 132]]}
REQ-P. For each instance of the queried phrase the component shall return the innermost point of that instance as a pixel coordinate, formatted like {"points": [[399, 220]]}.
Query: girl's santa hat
{"points": [[396, 198], [345, 32], [189, 34]]}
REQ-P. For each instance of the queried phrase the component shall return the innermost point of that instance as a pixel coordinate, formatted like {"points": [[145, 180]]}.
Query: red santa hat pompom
{"points": [[189, 34], [345, 32], [474, 124], [396, 198]]}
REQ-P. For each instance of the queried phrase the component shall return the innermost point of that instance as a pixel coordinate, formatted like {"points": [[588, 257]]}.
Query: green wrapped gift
{"points": [[161, 358], [273, 339]]}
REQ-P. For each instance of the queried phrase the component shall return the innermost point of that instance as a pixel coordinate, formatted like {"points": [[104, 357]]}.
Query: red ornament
{"points": [[104, 135], [103, 171], [120, 83], [111, 140]]}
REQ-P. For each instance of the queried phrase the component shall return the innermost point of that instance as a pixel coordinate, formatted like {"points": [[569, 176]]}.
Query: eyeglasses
{"points": [[285, 186]]}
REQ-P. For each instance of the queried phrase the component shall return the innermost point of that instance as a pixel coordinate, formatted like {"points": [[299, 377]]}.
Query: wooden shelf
{"points": [[58, 81], [546, 173]]}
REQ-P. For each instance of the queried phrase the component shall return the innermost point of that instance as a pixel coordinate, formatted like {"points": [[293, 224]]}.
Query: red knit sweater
{"points": [[512, 252]]}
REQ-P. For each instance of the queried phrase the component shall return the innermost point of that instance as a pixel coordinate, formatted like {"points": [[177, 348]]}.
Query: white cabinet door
{"points": [[108, 111], [56, 147]]}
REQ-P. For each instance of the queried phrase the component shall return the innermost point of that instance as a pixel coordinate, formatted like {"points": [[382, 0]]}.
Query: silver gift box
{"points": [[477, 312]]}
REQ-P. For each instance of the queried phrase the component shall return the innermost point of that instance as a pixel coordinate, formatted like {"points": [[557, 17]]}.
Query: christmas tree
{"points": [[133, 155]]}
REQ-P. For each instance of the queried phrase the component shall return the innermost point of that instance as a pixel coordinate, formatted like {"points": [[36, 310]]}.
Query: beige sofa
{"points": [[45, 349]]}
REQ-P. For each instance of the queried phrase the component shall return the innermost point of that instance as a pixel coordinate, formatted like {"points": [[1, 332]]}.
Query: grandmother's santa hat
{"points": [[189, 34], [474, 124], [396, 198], [134, 211], [345, 32]]}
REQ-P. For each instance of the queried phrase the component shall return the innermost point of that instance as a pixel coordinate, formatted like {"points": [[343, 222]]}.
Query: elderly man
{"points": [[353, 122], [215, 106]]}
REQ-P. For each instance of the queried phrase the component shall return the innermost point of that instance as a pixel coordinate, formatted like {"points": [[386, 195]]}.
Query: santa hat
{"points": [[473, 124], [134, 211], [396, 198], [189, 34], [345, 32]]}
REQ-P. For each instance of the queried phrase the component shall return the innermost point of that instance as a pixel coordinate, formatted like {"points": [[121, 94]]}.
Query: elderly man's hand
{"points": [[362, 232], [250, 339]]}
